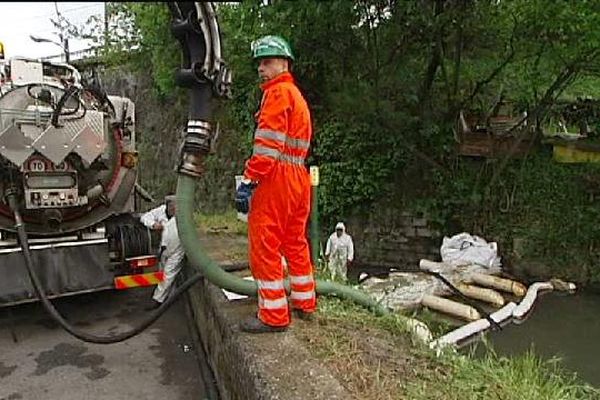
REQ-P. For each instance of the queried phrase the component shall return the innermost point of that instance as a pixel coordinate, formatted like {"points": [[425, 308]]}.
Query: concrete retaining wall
{"points": [[253, 367]]}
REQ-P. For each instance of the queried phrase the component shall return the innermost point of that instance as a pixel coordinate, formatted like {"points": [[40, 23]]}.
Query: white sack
{"points": [[464, 249]]}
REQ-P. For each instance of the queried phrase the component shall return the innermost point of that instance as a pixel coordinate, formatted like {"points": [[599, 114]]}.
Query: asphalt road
{"points": [[38, 360]]}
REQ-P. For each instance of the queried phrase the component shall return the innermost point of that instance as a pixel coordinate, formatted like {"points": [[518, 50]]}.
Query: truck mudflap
{"points": [[63, 268]]}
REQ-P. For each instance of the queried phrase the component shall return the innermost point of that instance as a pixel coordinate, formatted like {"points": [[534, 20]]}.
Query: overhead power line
{"points": [[69, 10]]}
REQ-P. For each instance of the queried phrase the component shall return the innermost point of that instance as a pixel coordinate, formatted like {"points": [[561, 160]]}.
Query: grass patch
{"points": [[226, 222], [526, 377], [374, 358], [365, 353]]}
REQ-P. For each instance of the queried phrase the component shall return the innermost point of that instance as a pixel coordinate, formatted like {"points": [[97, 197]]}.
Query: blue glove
{"points": [[242, 197]]}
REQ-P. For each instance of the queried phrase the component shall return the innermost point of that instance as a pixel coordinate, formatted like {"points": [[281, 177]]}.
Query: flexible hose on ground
{"points": [[197, 256], [217, 276], [86, 337]]}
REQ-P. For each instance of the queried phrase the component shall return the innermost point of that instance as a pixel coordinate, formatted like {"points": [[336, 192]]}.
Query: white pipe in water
{"points": [[473, 328], [527, 303]]}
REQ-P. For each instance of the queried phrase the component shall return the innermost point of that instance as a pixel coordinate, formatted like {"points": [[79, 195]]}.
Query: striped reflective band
{"points": [[300, 144], [276, 154], [291, 159], [272, 304], [302, 295], [147, 279], [266, 151], [272, 135], [270, 285], [297, 143], [301, 280]]}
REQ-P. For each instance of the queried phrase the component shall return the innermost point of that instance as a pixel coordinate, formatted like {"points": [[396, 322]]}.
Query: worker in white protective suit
{"points": [[339, 252], [157, 218], [171, 257]]}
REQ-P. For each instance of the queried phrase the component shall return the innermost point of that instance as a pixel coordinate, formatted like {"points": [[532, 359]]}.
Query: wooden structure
{"points": [[493, 136]]}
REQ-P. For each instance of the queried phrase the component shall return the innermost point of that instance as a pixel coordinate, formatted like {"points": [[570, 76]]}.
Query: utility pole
{"points": [[64, 39], [106, 4], [66, 48]]}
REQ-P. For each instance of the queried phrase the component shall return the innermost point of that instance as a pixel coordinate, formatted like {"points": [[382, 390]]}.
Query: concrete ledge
{"points": [[265, 366]]}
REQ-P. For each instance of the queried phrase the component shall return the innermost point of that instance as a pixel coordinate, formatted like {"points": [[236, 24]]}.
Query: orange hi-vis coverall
{"points": [[280, 204]]}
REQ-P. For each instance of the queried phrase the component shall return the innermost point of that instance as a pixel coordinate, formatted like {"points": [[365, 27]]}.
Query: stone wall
{"points": [[392, 237], [159, 125]]}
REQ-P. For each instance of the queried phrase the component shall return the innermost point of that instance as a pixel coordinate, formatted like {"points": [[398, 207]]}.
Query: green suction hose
{"points": [[217, 276]]}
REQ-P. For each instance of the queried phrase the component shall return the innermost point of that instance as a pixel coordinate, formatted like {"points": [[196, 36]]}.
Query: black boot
{"points": [[255, 325], [153, 305], [303, 315]]}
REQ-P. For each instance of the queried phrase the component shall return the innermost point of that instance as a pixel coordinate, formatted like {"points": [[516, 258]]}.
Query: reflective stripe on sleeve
{"points": [[291, 159], [273, 135], [299, 144], [260, 150]]}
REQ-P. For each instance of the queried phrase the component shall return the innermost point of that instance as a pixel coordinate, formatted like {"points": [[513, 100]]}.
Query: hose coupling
{"points": [[190, 77], [197, 143]]}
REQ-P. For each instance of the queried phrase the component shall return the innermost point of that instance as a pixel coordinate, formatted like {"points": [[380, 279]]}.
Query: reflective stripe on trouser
{"points": [[303, 292], [271, 295], [279, 211]]}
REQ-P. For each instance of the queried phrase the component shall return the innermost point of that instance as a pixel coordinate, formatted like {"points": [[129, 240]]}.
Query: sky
{"points": [[19, 20]]}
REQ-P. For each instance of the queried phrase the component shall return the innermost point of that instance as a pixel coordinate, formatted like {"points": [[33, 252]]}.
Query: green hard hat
{"points": [[271, 46]]}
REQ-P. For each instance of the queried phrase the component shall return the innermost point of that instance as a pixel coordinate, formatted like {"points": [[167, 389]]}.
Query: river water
{"points": [[560, 325]]}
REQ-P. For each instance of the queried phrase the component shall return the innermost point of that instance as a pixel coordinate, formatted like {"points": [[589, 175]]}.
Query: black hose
{"points": [[79, 334], [466, 299], [134, 240], [61, 103]]}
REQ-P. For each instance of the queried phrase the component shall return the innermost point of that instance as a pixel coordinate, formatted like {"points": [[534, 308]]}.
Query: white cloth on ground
{"points": [[466, 249]]}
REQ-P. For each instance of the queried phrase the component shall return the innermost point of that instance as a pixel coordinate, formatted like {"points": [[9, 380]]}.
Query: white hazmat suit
{"points": [[340, 250], [154, 216], [170, 260]]}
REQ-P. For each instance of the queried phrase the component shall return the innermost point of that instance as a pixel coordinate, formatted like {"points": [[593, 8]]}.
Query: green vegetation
{"points": [[520, 378], [373, 358], [386, 80], [540, 212], [226, 222]]}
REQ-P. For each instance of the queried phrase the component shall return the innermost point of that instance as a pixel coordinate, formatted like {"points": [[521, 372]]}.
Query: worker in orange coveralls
{"points": [[275, 192]]}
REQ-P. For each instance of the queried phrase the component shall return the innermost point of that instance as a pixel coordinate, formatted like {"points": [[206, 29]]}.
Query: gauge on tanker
{"points": [[63, 166], [37, 165]]}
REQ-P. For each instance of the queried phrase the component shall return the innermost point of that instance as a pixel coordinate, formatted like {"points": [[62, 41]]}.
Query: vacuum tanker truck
{"points": [[68, 156]]}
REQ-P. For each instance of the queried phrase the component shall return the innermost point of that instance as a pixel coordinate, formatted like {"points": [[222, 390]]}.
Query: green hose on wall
{"points": [[217, 276]]}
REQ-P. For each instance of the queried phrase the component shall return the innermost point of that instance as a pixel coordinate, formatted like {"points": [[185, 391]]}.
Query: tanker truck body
{"points": [[67, 150]]}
